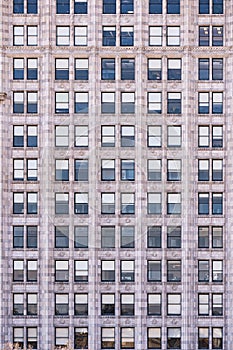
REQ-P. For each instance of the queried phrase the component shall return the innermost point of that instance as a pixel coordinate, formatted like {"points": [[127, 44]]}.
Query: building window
{"points": [[127, 69], [127, 338], [18, 35], [18, 271], [80, 36], [173, 7], [173, 304], [154, 236], [32, 69], [32, 203], [217, 203], [81, 304], [173, 170], [81, 338], [217, 237], [109, 36], [18, 102], [31, 237], [174, 136], [32, 36], [127, 170], [81, 102], [217, 338], [203, 237], [127, 236], [108, 203], [81, 170], [154, 338], [81, 271], [173, 338], [107, 338], [61, 336], [81, 236], [174, 271], [217, 7], [32, 304], [174, 203], [154, 102], [155, 7], [32, 6], [154, 203], [173, 35], [31, 339], [174, 237], [217, 271], [127, 136], [154, 169], [203, 304], [154, 68], [204, 36], [108, 271], [127, 271], [217, 304], [217, 136], [31, 271], [203, 68], [18, 6], [203, 203], [217, 68], [61, 102], [203, 136], [128, 203], [154, 304], [18, 337], [61, 236], [154, 273], [127, 304], [32, 102], [107, 236], [107, 170], [108, 102], [154, 136], [81, 203], [174, 69], [18, 203], [32, 169], [126, 6], [18, 236], [18, 169], [217, 36], [174, 103], [18, 304], [108, 69], [203, 271], [126, 36], [32, 136], [109, 6], [217, 102], [81, 136], [62, 170], [155, 36], [81, 69], [203, 338], [61, 304], [63, 6], [18, 68], [63, 36], [62, 68], [61, 136], [61, 203], [80, 7], [203, 170], [127, 102], [108, 136]]}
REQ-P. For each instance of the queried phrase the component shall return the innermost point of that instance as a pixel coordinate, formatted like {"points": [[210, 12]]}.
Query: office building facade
{"points": [[116, 174]]}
